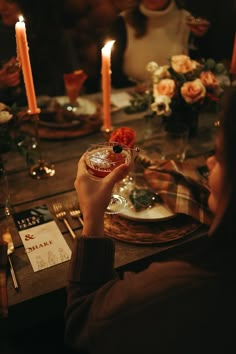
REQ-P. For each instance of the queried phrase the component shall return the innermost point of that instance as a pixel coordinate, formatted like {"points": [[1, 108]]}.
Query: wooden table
{"points": [[42, 294]]}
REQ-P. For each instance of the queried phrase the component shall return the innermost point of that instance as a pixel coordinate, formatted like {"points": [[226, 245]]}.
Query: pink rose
{"points": [[209, 80], [182, 64], [165, 87], [193, 91]]}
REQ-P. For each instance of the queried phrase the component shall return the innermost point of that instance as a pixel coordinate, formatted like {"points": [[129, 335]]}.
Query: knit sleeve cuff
{"points": [[92, 260]]}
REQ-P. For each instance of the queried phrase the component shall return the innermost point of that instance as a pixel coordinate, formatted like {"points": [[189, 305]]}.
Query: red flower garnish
{"points": [[123, 135]]}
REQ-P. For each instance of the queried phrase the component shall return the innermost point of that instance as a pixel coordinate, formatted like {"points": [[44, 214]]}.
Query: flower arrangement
{"points": [[186, 85]]}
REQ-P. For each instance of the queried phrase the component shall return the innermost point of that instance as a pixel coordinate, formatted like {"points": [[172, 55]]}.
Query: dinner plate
{"points": [[54, 115], [158, 212], [86, 107]]}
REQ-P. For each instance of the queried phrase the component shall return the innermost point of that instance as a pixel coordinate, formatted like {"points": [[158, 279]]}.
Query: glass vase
{"points": [[189, 118]]}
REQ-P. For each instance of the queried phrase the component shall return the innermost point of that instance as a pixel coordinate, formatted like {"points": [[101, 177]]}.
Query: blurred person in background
{"points": [[152, 30], [51, 50]]}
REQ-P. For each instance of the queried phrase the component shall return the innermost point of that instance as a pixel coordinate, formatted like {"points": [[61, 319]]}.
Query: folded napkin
{"points": [[180, 193], [3, 280]]}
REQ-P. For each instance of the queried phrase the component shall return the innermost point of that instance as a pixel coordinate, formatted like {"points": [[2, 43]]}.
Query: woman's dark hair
{"points": [[138, 21], [224, 222]]}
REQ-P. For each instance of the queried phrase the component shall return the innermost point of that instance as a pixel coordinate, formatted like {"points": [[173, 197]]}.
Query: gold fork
{"points": [[61, 215], [76, 213]]}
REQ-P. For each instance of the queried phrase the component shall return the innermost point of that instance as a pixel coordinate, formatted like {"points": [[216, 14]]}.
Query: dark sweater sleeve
{"points": [[98, 271]]}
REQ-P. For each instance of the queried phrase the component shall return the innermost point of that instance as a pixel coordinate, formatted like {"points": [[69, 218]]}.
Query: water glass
{"points": [[174, 142]]}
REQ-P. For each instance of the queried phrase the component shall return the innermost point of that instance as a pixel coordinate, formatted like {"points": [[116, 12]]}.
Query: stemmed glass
{"points": [[100, 160], [73, 84], [198, 26]]}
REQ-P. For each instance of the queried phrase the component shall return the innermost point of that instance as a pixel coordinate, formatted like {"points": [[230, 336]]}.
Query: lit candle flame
{"points": [[107, 47], [21, 18]]}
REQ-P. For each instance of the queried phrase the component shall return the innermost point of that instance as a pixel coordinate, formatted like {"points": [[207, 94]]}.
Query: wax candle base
{"points": [[41, 170]]}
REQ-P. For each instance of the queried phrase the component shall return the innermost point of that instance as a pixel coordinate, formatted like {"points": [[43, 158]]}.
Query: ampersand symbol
{"points": [[29, 237]]}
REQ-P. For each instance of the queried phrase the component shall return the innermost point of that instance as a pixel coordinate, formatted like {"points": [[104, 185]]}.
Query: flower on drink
{"points": [[186, 84], [123, 135]]}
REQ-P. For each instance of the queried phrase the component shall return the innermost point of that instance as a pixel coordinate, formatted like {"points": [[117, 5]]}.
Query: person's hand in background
{"points": [[10, 74]]}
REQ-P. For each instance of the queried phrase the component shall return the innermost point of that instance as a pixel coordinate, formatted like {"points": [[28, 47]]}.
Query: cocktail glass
{"points": [[199, 25], [73, 84], [100, 160]]}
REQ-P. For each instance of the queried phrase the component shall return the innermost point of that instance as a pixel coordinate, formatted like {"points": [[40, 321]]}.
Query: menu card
{"points": [[41, 237]]}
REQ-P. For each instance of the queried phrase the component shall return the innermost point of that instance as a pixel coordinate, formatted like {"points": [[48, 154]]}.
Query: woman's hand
{"points": [[94, 196], [10, 74]]}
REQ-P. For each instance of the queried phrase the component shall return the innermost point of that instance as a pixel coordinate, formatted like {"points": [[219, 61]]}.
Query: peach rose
{"points": [[165, 87], [193, 91], [182, 64], [209, 80]]}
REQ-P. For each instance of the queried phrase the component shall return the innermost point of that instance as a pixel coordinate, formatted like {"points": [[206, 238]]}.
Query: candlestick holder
{"points": [[107, 132], [41, 169]]}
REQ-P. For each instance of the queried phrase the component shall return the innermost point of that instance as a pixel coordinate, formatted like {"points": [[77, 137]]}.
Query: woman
{"points": [[184, 304], [51, 51], [153, 30]]}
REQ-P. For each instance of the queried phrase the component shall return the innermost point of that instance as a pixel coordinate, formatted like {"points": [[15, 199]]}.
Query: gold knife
{"points": [[10, 249]]}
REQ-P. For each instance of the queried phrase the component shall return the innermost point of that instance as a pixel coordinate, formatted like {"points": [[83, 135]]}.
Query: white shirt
{"points": [[167, 35]]}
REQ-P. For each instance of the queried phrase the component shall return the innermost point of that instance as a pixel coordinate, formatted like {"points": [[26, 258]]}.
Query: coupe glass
{"points": [[197, 24], [100, 160], [73, 83]]}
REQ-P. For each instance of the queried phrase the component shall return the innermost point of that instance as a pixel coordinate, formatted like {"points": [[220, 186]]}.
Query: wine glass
{"points": [[198, 25], [100, 160], [73, 84]]}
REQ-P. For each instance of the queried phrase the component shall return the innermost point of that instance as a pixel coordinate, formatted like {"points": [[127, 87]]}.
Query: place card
{"points": [[41, 237], [121, 99]]}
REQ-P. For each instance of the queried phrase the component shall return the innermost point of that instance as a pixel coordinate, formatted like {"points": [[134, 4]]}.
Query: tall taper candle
{"points": [[233, 60], [106, 84], [24, 59]]}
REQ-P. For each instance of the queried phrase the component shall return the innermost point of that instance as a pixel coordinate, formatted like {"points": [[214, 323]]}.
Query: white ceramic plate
{"points": [[158, 212], [86, 108]]}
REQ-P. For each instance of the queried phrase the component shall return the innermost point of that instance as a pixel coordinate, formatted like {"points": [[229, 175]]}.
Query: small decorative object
{"points": [[186, 87]]}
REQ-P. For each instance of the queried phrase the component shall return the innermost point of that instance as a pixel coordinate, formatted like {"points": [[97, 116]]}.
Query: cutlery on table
{"points": [[10, 249], [60, 213], [73, 209], [76, 213]]}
